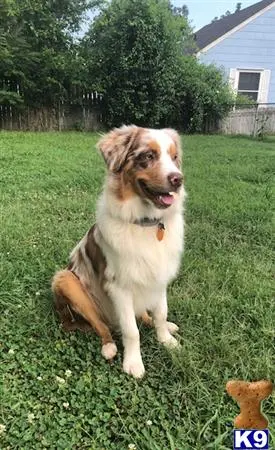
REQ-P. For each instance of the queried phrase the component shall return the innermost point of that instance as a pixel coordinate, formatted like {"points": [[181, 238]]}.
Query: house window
{"points": [[249, 84]]}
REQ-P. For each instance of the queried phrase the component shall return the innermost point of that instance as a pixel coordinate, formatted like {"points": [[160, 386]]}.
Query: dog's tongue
{"points": [[166, 199]]}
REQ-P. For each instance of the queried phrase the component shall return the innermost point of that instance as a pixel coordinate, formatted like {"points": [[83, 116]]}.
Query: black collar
{"points": [[148, 222]]}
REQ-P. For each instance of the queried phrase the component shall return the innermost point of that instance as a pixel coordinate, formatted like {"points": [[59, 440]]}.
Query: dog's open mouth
{"points": [[161, 199]]}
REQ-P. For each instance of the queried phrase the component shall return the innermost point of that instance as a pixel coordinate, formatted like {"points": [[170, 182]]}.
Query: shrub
{"points": [[10, 98], [244, 101], [203, 96], [133, 49]]}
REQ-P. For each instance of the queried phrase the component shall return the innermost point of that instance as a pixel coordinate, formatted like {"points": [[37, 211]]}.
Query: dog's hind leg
{"points": [[66, 285]]}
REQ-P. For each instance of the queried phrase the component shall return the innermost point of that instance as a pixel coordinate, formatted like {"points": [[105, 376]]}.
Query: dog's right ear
{"points": [[116, 144]]}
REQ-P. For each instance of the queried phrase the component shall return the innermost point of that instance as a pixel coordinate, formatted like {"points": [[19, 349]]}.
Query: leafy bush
{"points": [[10, 98], [132, 54], [38, 50], [244, 101], [135, 54], [133, 49], [203, 96]]}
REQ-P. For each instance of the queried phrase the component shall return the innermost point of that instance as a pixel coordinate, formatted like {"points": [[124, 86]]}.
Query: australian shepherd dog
{"points": [[120, 270]]}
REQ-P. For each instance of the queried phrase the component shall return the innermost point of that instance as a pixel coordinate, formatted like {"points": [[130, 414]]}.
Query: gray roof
{"points": [[215, 30]]}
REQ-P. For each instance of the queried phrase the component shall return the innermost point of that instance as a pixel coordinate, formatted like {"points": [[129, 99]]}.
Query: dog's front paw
{"points": [[170, 342], [134, 367], [109, 350], [172, 327]]}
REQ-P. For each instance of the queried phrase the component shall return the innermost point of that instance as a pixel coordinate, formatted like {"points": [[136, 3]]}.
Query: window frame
{"points": [[237, 79], [264, 84], [247, 92]]}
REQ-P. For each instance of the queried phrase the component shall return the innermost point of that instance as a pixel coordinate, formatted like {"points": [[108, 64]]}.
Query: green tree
{"points": [[38, 48], [226, 14], [16, 57], [133, 48], [182, 11], [238, 7]]}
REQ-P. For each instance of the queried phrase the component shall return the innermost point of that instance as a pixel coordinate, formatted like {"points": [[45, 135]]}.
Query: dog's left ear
{"points": [[116, 144]]}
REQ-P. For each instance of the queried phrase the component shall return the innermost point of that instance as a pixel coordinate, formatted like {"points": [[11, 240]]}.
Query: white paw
{"points": [[134, 367], [172, 327], [109, 350], [170, 342]]}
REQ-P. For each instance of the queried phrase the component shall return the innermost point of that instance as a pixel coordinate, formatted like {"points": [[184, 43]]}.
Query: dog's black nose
{"points": [[175, 179]]}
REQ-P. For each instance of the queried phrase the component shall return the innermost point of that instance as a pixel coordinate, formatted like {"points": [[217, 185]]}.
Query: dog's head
{"points": [[144, 162]]}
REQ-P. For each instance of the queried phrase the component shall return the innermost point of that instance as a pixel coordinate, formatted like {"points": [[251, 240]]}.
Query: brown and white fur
{"points": [[120, 270]]}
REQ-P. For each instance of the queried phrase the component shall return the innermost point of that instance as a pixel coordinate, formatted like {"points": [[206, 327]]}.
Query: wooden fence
{"points": [[84, 114], [256, 121]]}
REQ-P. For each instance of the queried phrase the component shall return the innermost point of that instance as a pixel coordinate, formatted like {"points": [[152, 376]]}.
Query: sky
{"points": [[201, 12]]}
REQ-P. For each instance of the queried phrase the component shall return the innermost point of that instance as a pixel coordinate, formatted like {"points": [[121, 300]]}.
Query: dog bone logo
{"points": [[249, 397]]}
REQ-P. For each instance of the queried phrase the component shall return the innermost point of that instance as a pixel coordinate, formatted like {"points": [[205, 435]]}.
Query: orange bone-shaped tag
{"points": [[249, 397]]}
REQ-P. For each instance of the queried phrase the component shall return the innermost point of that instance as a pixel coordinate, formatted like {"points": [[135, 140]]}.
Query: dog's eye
{"points": [[175, 157], [144, 159], [149, 156]]}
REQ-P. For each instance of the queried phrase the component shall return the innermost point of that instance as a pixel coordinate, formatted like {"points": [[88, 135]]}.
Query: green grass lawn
{"points": [[222, 301]]}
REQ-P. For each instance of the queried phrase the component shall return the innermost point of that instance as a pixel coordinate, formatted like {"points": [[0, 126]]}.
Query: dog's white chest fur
{"points": [[137, 261]]}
